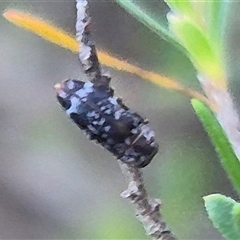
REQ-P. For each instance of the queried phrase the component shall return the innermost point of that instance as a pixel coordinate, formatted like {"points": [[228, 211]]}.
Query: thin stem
{"points": [[225, 112], [147, 209], [88, 54]]}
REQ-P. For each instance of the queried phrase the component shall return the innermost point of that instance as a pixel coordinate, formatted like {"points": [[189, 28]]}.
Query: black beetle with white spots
{"points": [[94, 108], [108, 121]]}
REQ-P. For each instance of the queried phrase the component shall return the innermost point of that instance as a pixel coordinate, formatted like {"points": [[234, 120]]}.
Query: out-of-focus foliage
{"points": [[195, 25], [198, 27], [54, 183], [224, 213], [229, 160]]}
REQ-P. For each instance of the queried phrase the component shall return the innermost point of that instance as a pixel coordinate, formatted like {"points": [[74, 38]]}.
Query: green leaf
{"points": [[216, 17], [236, 216], [220, 141], [200, 48], [180, 7], [220, 210], [145, 18]]}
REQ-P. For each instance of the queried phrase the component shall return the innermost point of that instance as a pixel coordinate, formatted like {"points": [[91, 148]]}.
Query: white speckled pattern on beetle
{"points": [[108, 121]]}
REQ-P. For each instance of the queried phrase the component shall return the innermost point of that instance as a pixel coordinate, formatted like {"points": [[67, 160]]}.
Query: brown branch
{"points": [[88, 54], [147, 209]]}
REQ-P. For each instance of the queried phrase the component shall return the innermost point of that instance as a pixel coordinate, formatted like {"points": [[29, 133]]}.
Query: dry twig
{"points": [[147, 209]]}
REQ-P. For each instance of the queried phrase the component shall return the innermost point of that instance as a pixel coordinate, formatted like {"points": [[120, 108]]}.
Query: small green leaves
{"points": [[195, 25], [228, 158], [208, 15], [224, 214], [200, 49], [181, 7], [216, 14], [236, 216]]}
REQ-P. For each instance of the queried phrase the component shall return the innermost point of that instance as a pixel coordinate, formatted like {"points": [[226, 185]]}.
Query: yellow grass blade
{"points": [[61, 38]]}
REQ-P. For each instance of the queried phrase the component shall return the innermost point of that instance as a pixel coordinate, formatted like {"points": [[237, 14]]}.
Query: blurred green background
{"points": [[54, 183]]}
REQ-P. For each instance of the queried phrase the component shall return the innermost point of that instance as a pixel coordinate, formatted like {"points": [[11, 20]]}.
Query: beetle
{"points": [[108, 121]]}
